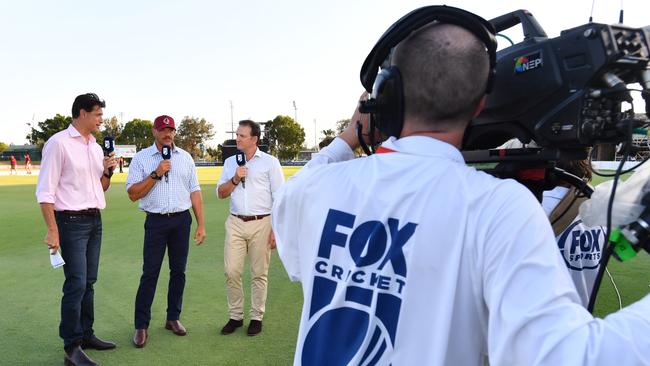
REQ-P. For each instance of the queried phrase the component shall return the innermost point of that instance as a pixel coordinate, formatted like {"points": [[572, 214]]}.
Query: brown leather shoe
{"points": [[140, 338], [76, 357], [176, 327]]}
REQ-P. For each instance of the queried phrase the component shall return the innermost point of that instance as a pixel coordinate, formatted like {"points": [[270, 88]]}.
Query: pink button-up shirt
{"points": [[71, 172]]}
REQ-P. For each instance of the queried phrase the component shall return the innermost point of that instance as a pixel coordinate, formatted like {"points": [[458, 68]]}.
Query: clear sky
{"points": [[192, 57]]}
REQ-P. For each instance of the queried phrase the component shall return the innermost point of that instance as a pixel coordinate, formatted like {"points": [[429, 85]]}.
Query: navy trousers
{"points": [[80, 237], [162, 233]]}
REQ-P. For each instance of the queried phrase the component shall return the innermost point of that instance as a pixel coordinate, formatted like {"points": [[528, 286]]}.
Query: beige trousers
{"points": [[247, 239]]}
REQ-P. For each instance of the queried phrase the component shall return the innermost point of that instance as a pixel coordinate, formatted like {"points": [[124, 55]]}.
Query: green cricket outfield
{"points": [[31, 289]]}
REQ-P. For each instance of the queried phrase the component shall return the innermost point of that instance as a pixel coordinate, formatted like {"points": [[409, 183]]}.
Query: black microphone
{"points": [[166, 151], [109, 147], [241, 161]]}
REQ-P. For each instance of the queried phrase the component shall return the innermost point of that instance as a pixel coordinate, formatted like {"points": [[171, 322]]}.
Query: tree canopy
{"points": [[285, 137], [214, 153], [112, 127], [341, 125], [45, 129], [137, 132], [329, 137], [192, 134]]}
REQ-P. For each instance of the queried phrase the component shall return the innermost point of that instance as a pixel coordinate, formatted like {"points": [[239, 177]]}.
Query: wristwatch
{"points": [[154, 176]]}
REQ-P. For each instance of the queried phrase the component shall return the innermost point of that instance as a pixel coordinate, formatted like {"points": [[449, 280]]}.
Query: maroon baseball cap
{"points": [[162, 122]]}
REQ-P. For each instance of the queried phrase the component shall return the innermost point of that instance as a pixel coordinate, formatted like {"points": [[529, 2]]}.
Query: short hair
{"points": [[255, 128], [87, 102], [444, 71]]}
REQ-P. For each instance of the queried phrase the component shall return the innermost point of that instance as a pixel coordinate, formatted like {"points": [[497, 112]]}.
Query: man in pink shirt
{"points": [[74, 175]]}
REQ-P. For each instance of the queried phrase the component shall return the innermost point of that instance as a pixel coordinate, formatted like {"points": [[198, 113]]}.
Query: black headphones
{"points": [[386, 101]]}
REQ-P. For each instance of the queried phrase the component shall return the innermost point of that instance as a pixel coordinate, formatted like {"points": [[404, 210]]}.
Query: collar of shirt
{"points": [[153, 149], [424, 146], [72, 130], [258, 153]]}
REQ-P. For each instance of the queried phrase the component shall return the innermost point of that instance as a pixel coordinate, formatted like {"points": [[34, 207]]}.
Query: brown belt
{"points": [[250, 218], [87, 212]]}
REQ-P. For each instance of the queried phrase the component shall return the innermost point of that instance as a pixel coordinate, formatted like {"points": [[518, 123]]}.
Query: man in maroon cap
{"points": [[165, 195]]}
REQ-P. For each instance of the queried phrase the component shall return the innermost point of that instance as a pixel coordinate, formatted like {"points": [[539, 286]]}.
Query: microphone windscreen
{"points": [[240, 158], [166, 152], [109, 145]]}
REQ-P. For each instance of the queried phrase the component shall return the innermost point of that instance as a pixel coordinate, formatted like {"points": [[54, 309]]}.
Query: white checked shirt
{"points": [[165, 196], [264, 177]]}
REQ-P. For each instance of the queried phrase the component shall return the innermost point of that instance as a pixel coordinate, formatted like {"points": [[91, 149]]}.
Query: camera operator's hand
{"points": [[349, 135]]}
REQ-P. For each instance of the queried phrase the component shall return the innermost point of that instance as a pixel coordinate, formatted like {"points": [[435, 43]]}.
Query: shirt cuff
{"points": [[44, 197], [337, 150]]}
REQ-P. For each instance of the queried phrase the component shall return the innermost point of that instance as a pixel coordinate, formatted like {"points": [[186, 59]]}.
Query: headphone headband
{"points": [[418, 18]]}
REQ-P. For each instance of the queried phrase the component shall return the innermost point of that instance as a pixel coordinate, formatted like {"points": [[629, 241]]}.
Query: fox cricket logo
{"points": [[361, 327], [528, 62], [581, 246]]}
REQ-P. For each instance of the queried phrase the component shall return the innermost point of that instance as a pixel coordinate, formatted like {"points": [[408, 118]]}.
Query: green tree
{"points": [[329, 137], [3, 146], [112, 127], [137, 132], [341, 125], [215, 153], [285, 137], [45, 129], [193, 132]]}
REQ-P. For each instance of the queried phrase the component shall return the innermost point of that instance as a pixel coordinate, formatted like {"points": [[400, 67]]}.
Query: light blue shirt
{"points": [[165, 196]]}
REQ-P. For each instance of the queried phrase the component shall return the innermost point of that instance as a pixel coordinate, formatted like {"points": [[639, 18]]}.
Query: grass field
{"points": [[31, 289]]}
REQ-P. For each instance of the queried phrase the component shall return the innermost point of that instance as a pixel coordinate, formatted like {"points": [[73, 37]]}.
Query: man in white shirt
{"points": [[410, 257], [248, 228]]}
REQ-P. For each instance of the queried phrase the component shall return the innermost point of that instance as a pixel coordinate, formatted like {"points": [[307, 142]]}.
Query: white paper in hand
{"points": [[56, 260]]}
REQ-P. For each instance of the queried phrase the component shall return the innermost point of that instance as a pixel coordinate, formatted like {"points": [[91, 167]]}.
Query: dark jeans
{"points": [[80, 238], [160, 233]]}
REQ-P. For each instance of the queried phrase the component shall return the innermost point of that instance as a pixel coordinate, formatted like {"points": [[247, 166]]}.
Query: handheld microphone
{"points": [[241, 161], [108, 147], [166, 152]]}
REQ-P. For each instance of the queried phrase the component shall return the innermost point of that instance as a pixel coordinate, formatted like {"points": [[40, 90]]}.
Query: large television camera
{"points": [[564, 93]]}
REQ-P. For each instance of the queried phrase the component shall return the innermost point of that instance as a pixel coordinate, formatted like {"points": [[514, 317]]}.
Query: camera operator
{"points": [[411, 257], [580, 245]]}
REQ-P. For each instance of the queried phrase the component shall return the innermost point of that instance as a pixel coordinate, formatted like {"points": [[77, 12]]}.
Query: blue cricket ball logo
{"points": [[354, 310]]}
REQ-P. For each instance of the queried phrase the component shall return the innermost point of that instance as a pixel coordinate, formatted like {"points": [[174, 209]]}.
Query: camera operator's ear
{"points": [[480, 106]]}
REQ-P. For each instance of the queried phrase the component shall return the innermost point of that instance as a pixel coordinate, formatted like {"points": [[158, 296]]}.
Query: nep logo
{"points": [[528, 62], [581, 246], [365, 271]]}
